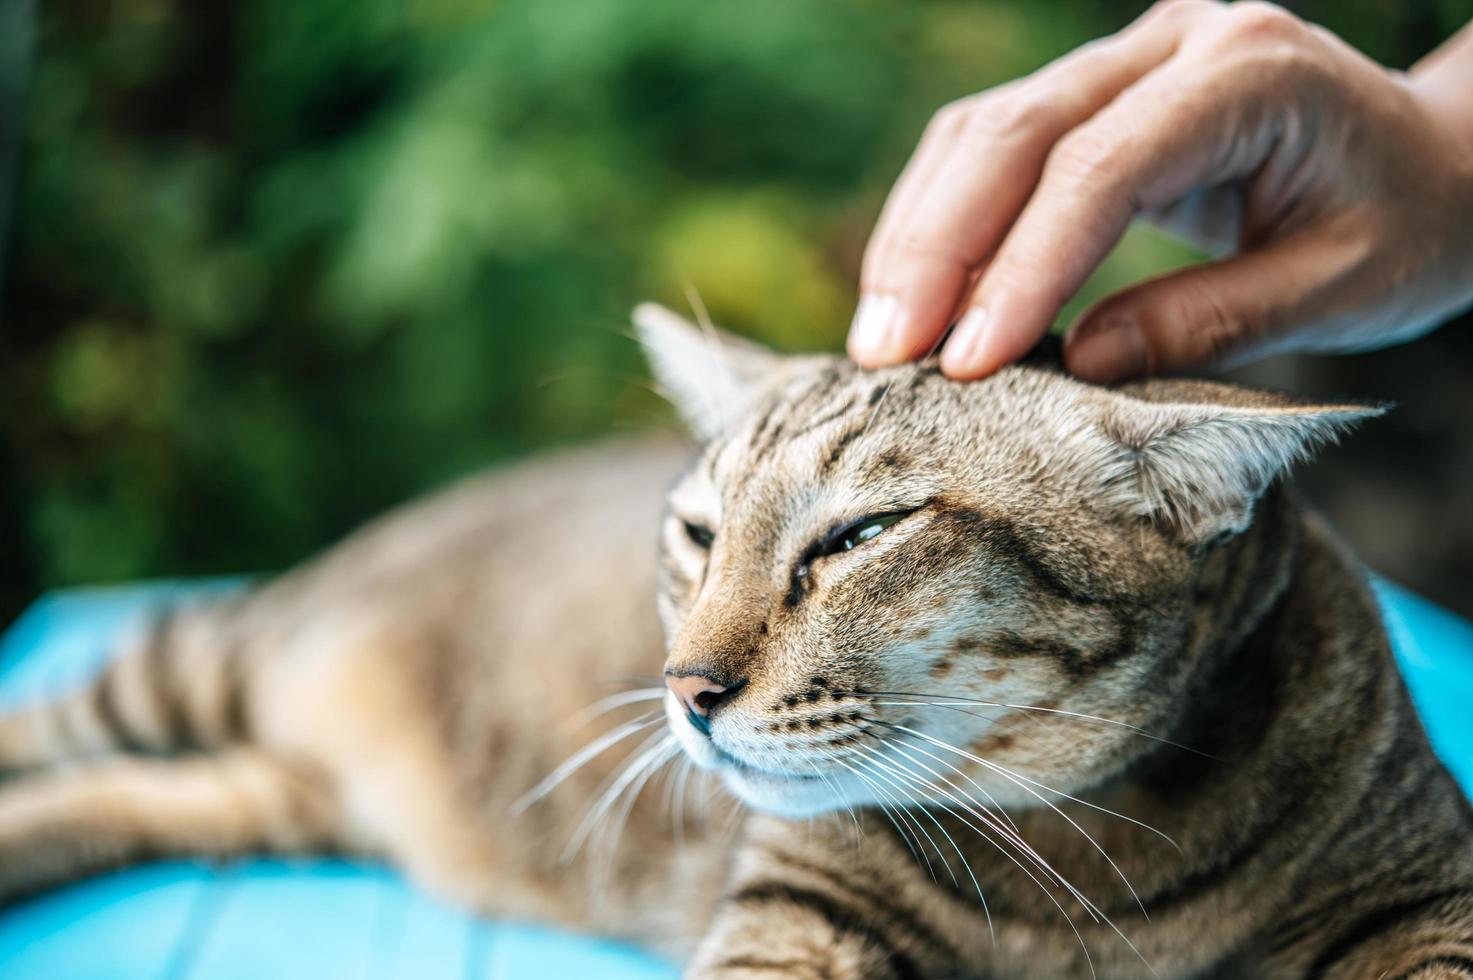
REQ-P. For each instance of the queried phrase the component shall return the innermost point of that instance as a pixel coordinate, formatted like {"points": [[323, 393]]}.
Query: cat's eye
{"points": [[700, 535], [862, 531]]}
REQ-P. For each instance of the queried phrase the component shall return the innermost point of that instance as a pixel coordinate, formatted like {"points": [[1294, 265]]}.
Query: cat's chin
{"points": [[783, 796], [779, 794]]}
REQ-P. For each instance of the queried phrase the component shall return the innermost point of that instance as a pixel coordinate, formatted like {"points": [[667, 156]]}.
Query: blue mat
{"points": [[320, 919]]}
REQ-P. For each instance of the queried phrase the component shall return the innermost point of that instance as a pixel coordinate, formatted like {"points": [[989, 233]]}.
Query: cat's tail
{"points": [[178, 683]]}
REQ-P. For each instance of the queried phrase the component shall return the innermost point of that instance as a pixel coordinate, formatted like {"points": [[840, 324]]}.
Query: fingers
{"points": [[1171, 132], [973, 173], [1211, 314], [877, 337]]}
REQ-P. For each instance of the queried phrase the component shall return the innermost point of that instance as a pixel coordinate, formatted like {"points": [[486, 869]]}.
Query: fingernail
{"points": [[872, 335], [959, 359], [1109, 349]]}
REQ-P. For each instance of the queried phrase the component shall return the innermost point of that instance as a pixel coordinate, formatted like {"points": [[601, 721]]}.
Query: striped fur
{"points": [[1104, 700]]}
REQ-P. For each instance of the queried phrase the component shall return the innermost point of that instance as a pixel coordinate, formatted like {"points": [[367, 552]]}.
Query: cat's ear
{"points": [[1196, 468], [712, 378]]}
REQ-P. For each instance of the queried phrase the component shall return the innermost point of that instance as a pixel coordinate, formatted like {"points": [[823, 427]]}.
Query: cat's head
{"points": [[877, 580]]}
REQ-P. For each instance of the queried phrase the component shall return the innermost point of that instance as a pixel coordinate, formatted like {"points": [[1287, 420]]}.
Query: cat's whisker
{"points": [[669, 749], [1019, 781], [668, 797], [1015, 776], [609, 791], [904, 794], [894, 816], [983, 813], [987, 817], [849, 806], [1085, 903], [733, 818], [709, 332], [604, 705], [705, 797], [1044, 866], [948, 700], [648, 752], [678, 786], [958, 710], [961, 700], [883, 765], [915, 371], [842, 797], [876, 409], [995, 806], [970, 806], [951, 803], [582, 757], [645, 680], [698, 307], [1013, 837]]}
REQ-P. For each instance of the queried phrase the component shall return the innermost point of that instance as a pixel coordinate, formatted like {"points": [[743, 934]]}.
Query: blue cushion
{"points": [[325, 918]]}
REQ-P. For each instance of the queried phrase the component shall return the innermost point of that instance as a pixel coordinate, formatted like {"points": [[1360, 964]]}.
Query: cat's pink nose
{"points": [[697, 692]]}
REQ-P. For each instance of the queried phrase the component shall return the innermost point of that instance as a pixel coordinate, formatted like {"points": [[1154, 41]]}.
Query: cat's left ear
{"points": [[1197, 468], [711, 377]]}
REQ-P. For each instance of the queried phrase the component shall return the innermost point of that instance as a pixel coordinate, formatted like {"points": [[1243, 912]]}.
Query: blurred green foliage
{"points": [[276, 265]]}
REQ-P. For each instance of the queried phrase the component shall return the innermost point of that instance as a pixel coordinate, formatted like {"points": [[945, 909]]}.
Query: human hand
{"points": [[1342, 193]]}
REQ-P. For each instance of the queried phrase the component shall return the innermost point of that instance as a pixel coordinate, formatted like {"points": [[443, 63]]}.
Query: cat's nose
{"points": [[700, 695]]}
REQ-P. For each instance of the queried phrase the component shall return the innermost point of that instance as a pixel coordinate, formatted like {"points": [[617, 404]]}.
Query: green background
{"points": [[275, 266]]}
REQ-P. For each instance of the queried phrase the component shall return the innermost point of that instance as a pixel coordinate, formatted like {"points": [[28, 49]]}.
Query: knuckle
{"points": [[951, 118], [1283, 64], [1014, 117], [1084, 157], [1179, 12], [1256, 21], [1265, 46], [948, 117]]}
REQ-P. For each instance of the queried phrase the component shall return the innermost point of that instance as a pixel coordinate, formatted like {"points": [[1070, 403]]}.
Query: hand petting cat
{"points": [[1336, 193]]}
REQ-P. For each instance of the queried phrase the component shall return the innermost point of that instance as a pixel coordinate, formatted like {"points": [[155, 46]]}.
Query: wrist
{"points": [[1444, 82]]}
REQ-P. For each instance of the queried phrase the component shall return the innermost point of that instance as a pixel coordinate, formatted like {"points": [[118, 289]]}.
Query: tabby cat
{"points": [[1014, 678]]}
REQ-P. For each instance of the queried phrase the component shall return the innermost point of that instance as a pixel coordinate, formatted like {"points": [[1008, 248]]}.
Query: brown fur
{"points": [[1066, 552]]}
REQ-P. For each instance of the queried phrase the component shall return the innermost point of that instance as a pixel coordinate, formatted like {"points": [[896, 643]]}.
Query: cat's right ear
{"points": [[712, 378]]}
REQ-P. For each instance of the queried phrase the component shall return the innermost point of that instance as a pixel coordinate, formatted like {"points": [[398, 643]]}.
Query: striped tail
{"points": [[177, 685]]}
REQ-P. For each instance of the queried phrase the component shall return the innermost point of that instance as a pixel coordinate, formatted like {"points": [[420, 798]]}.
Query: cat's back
{"points": [[572, 526], [539, 509]]}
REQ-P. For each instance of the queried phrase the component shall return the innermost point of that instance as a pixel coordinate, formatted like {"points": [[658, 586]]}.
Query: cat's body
{"points": [[1054, 662]]}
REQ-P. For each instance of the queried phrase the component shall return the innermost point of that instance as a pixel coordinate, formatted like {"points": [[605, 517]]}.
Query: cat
{"points": [[1014, 678]]}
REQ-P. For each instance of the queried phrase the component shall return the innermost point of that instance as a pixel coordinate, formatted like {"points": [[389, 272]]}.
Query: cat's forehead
{"points": [[834, 429]]}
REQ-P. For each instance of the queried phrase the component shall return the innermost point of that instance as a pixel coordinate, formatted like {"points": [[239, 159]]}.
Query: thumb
{"points": [[1196, 317]]}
